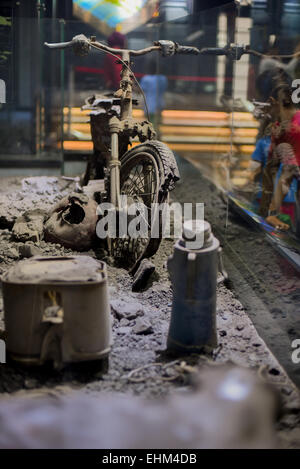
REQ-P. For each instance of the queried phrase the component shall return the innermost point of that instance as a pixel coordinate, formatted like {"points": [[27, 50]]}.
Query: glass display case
{"points": [[221, 115]]}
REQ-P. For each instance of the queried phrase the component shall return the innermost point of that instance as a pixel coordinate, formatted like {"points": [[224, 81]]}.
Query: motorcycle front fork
{"points": [[114, 167]]}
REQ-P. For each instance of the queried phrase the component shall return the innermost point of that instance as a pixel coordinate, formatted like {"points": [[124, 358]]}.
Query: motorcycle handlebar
{"points": [[82, 45], [213, 51], [232, 51], [59, 45], [187, 50]]}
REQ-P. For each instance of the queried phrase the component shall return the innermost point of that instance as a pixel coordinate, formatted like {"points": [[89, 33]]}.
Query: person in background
{"points": [[268, 68], [112, 70], [258, 162], [265, 83], [154, 87], [259, 158], [284, 152]]}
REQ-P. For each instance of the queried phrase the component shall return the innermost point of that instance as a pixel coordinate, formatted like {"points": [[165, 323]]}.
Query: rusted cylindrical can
{"points": [[57, 308], [193, 269]]}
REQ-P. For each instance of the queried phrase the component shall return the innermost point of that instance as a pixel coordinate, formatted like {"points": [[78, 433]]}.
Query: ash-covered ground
{"points": [[138, 364]]}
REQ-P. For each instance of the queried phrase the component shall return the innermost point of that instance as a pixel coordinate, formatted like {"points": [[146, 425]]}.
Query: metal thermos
{"points": [[193, 269]]}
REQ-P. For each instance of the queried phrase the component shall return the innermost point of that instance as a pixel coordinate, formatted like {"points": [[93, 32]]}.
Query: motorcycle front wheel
{"points": [[148, 172]]}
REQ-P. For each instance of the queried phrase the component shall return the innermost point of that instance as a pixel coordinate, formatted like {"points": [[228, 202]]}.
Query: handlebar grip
{"points": [[79, 43], [59, 45], [187, 50], [213, 51]]}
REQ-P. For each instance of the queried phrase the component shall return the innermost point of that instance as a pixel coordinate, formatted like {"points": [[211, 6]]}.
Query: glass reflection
{"points": [[271, 178]]}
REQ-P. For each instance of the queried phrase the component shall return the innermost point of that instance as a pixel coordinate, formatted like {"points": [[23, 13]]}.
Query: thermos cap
{"points": [[197, 230]]}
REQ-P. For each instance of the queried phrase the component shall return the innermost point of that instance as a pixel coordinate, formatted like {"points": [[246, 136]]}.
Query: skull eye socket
{"points": [[74, 214]]}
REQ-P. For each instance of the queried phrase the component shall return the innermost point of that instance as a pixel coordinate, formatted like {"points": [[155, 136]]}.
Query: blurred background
{"points": [[41, 122]]}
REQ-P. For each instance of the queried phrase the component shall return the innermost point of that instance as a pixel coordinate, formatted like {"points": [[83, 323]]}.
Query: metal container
{"points": [[57, 308], [193, 272]]}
